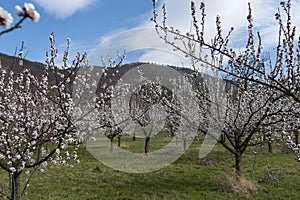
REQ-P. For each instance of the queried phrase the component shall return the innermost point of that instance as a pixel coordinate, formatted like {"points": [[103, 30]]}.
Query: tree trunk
{"points": [[269, 141], [296, 137], [111, 144], [119, 141], [270, 148], [147, 145], [15, 186], [238, 165], [133, 138], [223, 138]]}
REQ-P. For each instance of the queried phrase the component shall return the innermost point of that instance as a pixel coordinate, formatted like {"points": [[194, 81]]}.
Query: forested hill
{"points": [[37, 68], [13, 62]]}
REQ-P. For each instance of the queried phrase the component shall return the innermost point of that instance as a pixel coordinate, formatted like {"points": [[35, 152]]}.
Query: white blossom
{"points": [[31, 12], [12, 169], [19, 10], [5, 18]]}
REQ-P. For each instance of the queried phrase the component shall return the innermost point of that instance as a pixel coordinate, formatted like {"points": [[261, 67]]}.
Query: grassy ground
{"points": [[277, 176]]}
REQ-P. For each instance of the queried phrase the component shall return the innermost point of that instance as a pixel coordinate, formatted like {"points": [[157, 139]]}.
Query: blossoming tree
{"points": [[36, 119], [281, 72], [239, 112]]}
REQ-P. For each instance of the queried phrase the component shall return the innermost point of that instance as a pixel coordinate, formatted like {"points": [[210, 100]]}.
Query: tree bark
{"points": [[15, 186], [238, 165], [270, 148], [147, 145], [119, 141], [223, 138], [296, 137], [269, 141], [111, 144]]}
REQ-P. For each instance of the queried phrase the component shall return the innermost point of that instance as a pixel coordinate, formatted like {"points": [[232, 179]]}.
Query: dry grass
{"points": [[210, 161], [271, 178], [238, 186]]}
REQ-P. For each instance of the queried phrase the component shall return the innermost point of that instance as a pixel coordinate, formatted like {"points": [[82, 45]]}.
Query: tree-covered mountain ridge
{"points": [[37, 68]]}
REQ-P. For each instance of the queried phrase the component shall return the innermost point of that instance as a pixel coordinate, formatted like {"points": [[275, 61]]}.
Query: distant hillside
{"points": [[37, 69], [12, 62]]}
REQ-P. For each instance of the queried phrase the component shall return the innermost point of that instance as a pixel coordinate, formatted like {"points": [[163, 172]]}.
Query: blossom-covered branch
{"points": [[6, 19]]}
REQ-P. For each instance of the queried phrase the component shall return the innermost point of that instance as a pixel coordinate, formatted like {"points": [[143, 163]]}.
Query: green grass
{"points": [[156, 142], [186, 178]]}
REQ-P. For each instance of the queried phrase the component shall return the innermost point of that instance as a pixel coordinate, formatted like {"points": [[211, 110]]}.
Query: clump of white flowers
{"points": [[27, 11], [5, 18], [292, 145]]}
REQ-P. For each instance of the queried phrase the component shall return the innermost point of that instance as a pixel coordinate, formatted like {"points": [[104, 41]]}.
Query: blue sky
{"points": [[120, 23], [85, 26]]}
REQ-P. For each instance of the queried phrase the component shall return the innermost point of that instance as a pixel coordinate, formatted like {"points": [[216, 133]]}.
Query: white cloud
{"points": [[142, 41], [64, 8], [233, 14]]}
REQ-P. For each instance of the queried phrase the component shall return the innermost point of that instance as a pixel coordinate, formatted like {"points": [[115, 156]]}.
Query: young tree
{"points": [[270, 132], [148, 107], [237, 106], [142, 106], [106, 92], [146, 98], [239, 109], [36, 119], [281, 72]]}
